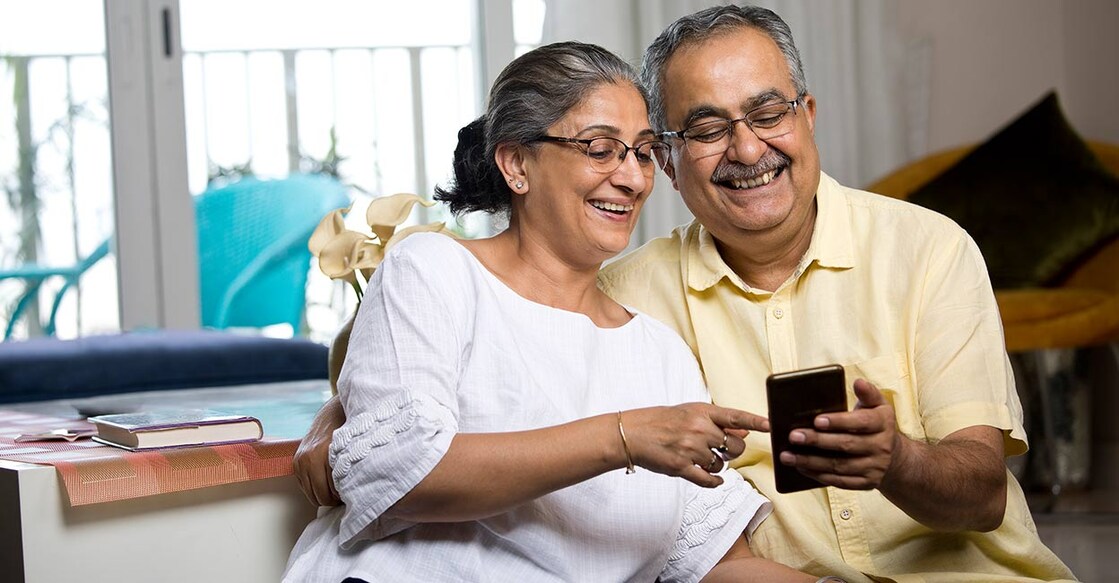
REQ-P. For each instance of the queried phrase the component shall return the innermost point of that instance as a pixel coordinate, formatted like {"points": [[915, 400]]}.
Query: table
{"points": [[233, 532]]}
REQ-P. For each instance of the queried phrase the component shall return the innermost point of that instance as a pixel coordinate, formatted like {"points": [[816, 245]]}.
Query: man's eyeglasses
{"points": [[713, 137], [605, 154]]}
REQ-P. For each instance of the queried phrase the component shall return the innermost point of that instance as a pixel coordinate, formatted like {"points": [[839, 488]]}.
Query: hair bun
{"points": [[475, 181], [473, 133]]}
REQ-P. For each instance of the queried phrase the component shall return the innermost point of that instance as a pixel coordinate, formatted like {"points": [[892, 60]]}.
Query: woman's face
{"points": [[585, 215]]}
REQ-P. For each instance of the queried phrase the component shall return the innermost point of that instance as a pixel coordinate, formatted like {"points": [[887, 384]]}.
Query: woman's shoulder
{"points": [[658, 331], [427, 249], [424, 243], [668, 354], [431, 259], [666, 340]]}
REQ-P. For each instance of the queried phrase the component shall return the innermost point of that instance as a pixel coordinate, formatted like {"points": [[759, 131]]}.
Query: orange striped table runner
{"points": [[94, 473]]}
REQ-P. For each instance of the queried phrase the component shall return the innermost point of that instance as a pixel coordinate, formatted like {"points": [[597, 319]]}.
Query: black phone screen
{"points": [[795, 399]]}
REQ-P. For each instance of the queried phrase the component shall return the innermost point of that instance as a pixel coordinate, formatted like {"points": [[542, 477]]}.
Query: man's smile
{"points": [[748, 183]]}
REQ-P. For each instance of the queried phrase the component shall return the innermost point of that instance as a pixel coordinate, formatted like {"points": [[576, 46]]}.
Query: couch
{"points": [[47, 368]]}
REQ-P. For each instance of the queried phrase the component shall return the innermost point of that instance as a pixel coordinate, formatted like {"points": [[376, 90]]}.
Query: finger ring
{"points": [[715, 465], [723, 451]]}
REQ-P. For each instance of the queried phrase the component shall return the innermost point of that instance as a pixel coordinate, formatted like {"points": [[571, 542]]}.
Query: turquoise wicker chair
{"points": [[35, 275], [252, 252], [252, 248]]}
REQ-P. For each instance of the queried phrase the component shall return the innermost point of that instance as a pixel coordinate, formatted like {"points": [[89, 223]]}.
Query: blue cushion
{"points": [[46, 368]]}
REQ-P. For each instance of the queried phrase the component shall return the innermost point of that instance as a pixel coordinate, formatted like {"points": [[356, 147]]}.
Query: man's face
{"points": [[746, 186]]}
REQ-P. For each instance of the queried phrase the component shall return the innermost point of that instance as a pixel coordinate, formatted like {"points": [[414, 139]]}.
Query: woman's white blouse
{"points": [[442, 346]]}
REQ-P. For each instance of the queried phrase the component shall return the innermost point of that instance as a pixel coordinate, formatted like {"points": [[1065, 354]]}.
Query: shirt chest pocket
{"points": [[890, 373]]}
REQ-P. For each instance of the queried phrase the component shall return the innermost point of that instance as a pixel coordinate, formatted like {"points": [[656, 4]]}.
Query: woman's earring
{"points": [[520, 185]]}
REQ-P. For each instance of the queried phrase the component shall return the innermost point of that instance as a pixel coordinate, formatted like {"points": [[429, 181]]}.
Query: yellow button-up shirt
{"points": [[898, 295]]}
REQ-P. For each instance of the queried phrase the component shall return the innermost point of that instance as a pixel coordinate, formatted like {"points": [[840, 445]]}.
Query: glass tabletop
{"points": [[285, 409]]}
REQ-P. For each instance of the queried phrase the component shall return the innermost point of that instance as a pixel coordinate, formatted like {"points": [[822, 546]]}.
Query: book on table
{"points": [[178, 428]]}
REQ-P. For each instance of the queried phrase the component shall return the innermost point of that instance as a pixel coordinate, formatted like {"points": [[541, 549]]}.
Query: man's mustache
{"points": [[730, 170]]}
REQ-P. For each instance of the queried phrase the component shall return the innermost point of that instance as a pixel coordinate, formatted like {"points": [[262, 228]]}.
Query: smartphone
{"points": [[795, 399]]}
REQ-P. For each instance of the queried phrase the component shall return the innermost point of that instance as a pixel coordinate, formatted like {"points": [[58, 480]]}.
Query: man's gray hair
{"points": [[705, 24]]}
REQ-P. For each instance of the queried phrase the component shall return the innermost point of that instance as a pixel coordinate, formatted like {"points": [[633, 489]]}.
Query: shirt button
{"points": [[778, 312], [845, 514]]}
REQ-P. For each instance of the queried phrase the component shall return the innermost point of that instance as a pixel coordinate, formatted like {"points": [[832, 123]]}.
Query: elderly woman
{"points": [[506, 420]]}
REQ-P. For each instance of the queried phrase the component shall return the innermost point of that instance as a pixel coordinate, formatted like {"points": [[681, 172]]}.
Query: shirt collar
{"points": [[705, 266], [831, 245]]}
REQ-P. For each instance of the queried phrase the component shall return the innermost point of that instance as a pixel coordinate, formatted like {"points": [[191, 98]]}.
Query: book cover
{"points": [[175, 428]]}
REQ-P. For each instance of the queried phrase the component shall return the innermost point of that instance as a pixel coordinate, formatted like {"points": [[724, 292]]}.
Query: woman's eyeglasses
{"points": [[605, 154]]}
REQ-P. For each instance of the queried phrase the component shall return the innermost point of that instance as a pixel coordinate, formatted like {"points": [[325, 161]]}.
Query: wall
{"points": [[1091, 72], [991, 60]]}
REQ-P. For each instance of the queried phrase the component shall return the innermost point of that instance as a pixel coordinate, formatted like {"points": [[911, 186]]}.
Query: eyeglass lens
{"points": [[767, 122], [607, 154]]}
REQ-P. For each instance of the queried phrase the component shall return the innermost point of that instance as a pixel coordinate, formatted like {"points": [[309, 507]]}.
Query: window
{"points": [[55, 168], [371, 92]]}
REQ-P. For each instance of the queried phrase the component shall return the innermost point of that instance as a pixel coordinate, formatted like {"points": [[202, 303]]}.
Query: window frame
{"points": [[156, 240]]}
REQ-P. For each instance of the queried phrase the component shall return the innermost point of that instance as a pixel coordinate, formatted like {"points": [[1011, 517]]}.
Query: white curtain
{"points": [[854, 64]]}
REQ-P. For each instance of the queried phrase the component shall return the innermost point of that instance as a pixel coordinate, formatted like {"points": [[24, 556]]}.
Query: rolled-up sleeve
{"points": [[398, 388], [965, 375]]}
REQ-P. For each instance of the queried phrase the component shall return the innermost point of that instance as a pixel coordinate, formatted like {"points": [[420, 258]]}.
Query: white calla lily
{"points": [[386, 213], [343, 253], [329, 227]]}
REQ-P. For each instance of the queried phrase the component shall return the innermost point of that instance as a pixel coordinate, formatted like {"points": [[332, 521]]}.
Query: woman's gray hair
{"points": [[538, 88], [705, 24], [531, 94]]}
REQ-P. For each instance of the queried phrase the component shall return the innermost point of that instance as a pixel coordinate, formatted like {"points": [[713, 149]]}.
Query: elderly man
{"points": [[784, 269]]}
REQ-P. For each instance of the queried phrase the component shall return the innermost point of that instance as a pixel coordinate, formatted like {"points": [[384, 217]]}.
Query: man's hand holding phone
{"points": [[856, 447]]}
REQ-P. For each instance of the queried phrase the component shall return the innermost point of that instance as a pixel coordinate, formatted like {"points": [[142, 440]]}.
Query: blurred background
{"points": [[373, 92]]}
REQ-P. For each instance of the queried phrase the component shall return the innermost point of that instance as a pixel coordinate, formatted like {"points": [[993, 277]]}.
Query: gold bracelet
{"points": [[625, 446]]}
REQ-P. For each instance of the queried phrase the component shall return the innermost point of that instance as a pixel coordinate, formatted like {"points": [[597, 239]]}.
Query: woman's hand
{"points": [[311, 463], [687, 440]]}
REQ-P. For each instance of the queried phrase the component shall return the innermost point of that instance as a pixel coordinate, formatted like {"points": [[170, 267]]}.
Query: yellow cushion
{"points": [[1057, 318]]}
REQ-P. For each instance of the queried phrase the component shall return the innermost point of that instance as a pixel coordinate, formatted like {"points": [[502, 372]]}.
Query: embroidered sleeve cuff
{"points": [[380, 455], [713, 519]]}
